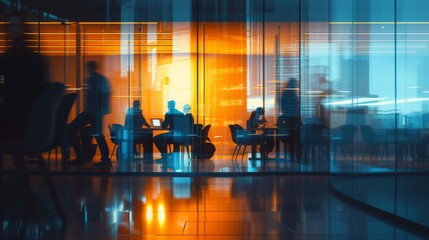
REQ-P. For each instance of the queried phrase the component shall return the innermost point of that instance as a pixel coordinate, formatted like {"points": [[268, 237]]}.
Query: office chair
{"points": [[39, 137]]}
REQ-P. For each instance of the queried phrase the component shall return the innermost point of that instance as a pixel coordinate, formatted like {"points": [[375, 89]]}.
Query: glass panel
{"points": [[357, 63], [412, 72], [362, 56], [314, 85]]}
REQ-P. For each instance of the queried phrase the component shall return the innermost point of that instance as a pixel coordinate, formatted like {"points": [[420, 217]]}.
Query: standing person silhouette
{"points": [[23, 74], [97, 98], [290, 119]]}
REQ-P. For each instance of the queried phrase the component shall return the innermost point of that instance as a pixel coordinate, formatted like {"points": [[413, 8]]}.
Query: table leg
{"points": [[148, 150]]}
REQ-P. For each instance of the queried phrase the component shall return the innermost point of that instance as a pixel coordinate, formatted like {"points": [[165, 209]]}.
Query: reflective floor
{"points": [[136, 207], [403, 195], [222, 163]]}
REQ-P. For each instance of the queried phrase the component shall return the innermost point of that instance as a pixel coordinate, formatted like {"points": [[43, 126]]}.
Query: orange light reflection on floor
{"points": [[161, 214], [149, 213]]}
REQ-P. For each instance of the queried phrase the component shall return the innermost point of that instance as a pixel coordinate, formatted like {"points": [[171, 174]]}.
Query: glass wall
{"points": [[360, 67], [378, 56]]}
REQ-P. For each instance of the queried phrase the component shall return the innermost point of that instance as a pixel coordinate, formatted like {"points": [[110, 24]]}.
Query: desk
{"points": [[264, 133], [126, 146]]}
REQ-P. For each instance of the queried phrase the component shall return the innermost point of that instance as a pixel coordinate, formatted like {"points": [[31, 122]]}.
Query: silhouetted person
{"points": [[135, 120], [187, 112], [23, 72], [134, 117], [322, 111], [290, 119], [257, 120], [163, 139], [97, 98]]}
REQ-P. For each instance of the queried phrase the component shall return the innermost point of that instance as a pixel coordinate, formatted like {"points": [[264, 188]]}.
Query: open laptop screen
{"points": [[156, 122]]}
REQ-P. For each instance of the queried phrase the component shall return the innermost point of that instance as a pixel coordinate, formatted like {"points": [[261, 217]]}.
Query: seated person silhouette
{"points": [[134, 119], [255, 121], [162, 140], [187, 113]]}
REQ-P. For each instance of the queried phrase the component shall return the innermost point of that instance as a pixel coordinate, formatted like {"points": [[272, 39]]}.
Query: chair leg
{"points": [[242, 155], [238, 152], [233, 153], [372, 153], [343, 152], [113, 151], [364, 152]]}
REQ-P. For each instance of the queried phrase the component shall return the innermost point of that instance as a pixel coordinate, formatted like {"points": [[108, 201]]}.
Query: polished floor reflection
{"points": [[403, 195], [199, 207], [222, 163]]}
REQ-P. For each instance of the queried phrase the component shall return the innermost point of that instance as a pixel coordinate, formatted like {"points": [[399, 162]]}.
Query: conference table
{"points": [[126, 142], [264, 133], [127, 137]]}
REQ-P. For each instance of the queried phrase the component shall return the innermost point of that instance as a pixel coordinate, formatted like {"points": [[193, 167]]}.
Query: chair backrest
{"points": [[348, 133], [64, 108], [233, 133], [113, 130], [367, 133], [41, 127], [182, 125], [240, 131], [242, 136], [311, 133], [205, 133]]}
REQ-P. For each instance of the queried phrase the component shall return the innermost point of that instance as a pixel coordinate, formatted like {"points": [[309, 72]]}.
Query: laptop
{"points": [[156, 122]]}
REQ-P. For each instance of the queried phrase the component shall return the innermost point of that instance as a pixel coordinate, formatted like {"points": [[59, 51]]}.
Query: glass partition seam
{"points": [[263, 54], [204, 75], [396, 107], [299, 63], [197, 57], [78, 67], [395, 75]]}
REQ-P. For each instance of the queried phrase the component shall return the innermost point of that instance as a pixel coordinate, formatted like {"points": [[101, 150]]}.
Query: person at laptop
{"points": [[135, 120], [156, 122], [163, 139], [134, 117]]}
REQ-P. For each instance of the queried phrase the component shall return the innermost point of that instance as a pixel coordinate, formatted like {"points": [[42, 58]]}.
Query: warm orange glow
{"points": [[217, 68], [149, 213], [161, 214]]}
